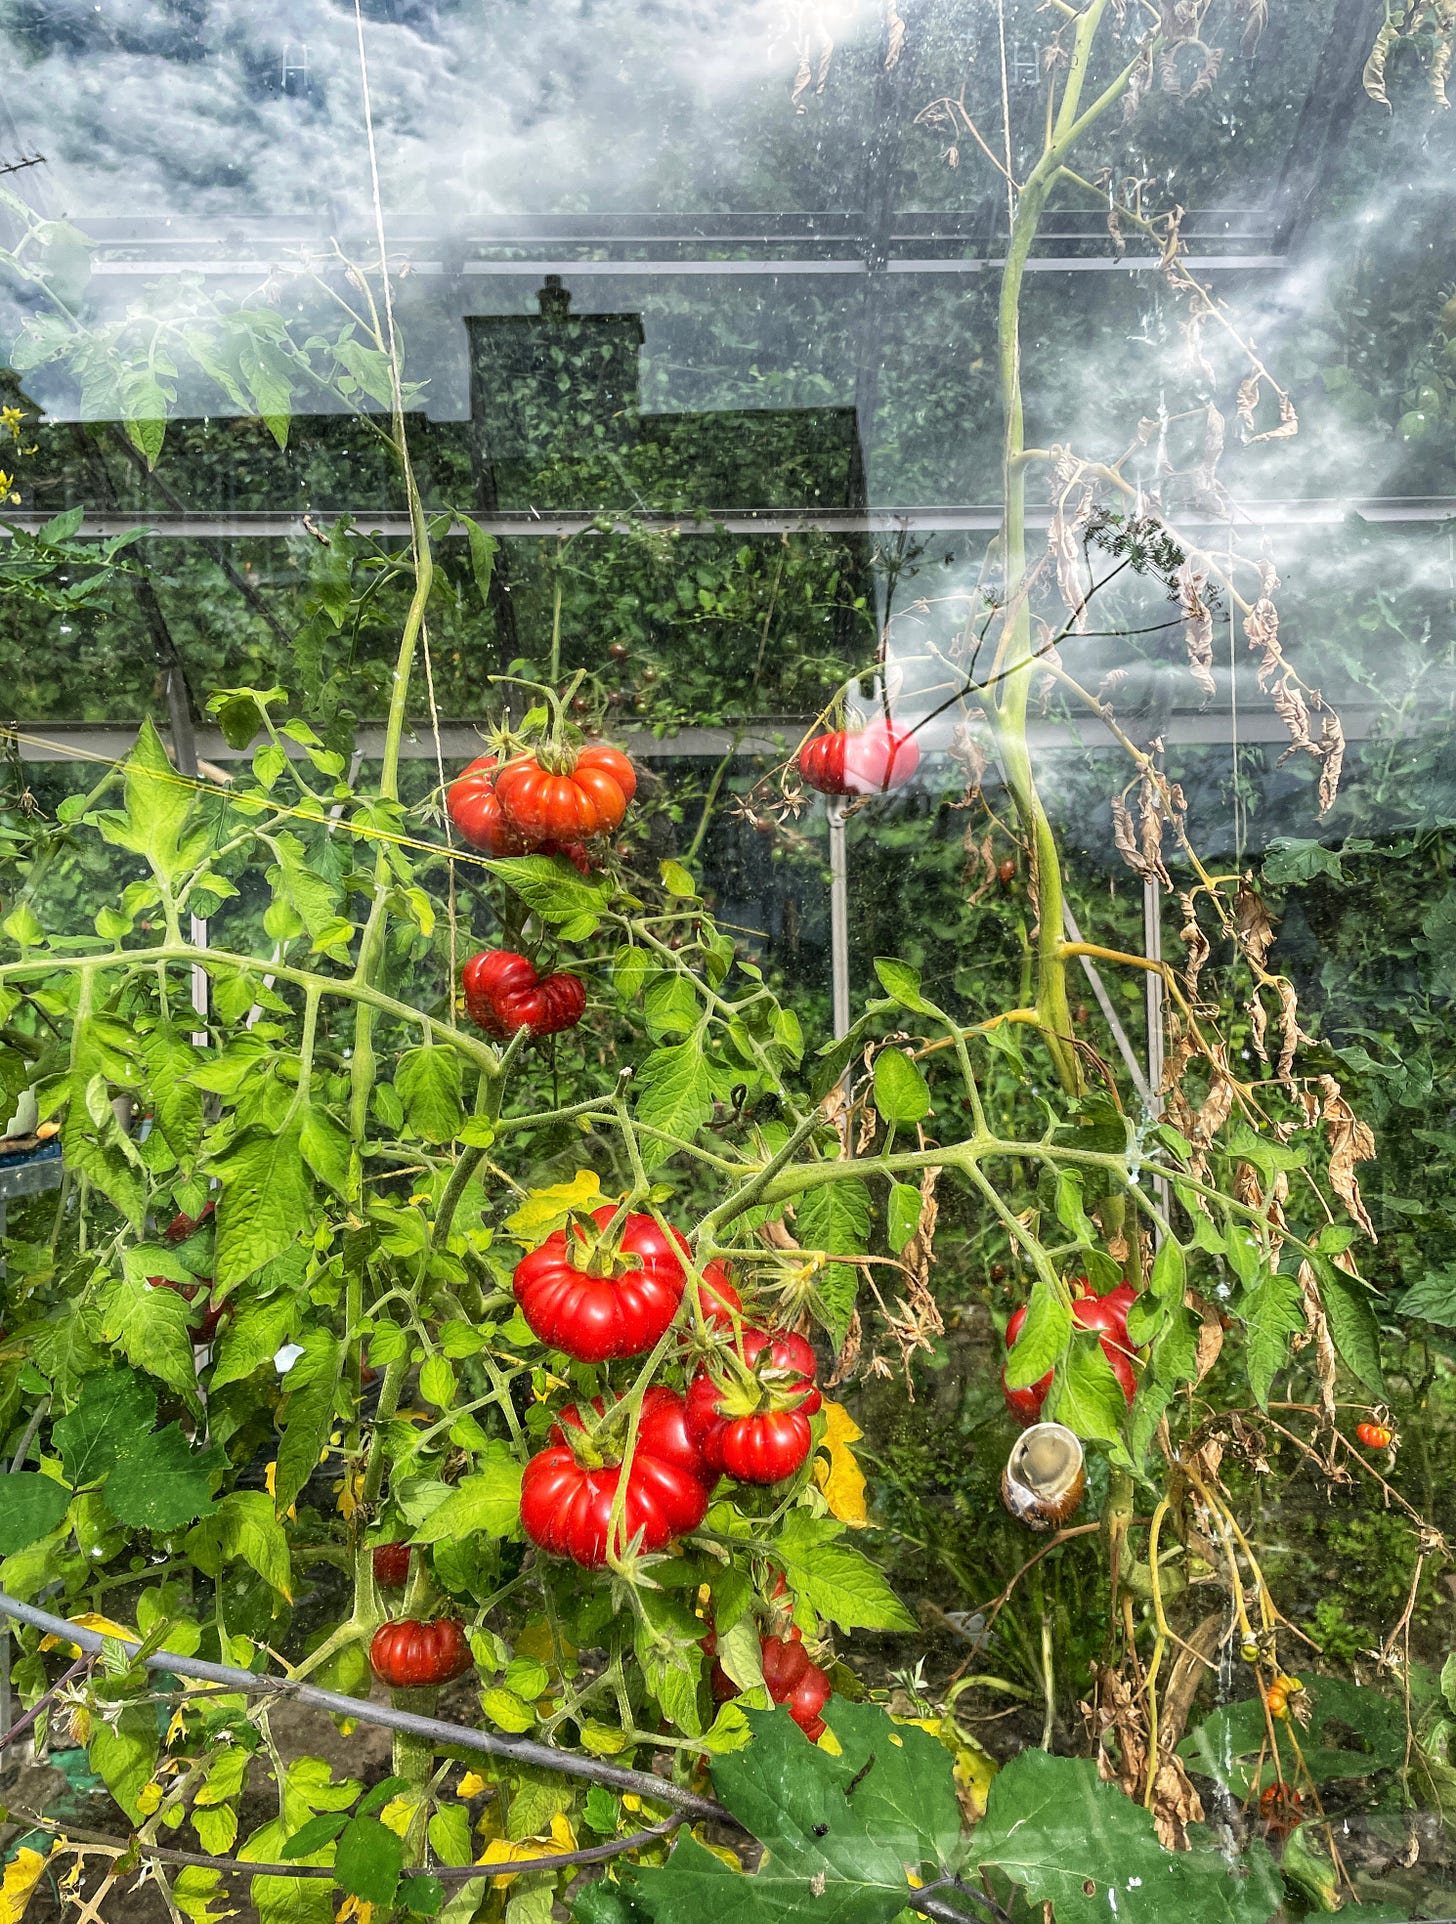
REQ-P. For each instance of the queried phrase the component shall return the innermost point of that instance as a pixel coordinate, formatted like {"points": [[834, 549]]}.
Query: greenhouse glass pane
{"points": [[726, 904]]}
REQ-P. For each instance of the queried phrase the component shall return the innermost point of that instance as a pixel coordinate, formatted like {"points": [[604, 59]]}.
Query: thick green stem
{"points": [[1016, 657]]}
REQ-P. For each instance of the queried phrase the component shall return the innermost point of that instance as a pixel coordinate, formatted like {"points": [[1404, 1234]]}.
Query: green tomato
{"points": [[1448, 319], [1413, 426], [1430, 400]]}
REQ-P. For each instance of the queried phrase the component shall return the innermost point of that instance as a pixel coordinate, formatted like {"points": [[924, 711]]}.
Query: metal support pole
{"points": [[838, 917]]}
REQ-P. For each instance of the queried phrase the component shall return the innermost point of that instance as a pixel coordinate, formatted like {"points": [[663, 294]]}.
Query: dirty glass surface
{"points": [[1058, 398]]}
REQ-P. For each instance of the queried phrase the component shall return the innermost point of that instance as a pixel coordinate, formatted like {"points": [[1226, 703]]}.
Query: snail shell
{"points": [[1045, 1477]]}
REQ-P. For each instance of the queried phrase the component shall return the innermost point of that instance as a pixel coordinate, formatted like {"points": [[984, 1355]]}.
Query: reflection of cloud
{"points": [[257, 111]]}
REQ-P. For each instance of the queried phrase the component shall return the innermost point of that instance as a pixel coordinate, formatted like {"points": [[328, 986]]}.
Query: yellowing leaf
{"points": [[354, 1907], [840, 1478], [828, 1741], [398, 1812], [349, 1492], [470, 1785], [501, 1850], [88, 1620], [974, 1770], [149, 1797], [720, 1851], [546, 1210], [21, 1878], [270, 1472]]}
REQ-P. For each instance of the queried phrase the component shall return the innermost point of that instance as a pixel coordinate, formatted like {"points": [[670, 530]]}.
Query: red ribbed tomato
{"points": [[793, 1680], [616, 1302], [409, 1655], [566, 1500], [475, 809], [391, 1565], [1375, 1436], [876, 759], [754, 1425], [1089, 1311], [590, 799], [503, 993]]}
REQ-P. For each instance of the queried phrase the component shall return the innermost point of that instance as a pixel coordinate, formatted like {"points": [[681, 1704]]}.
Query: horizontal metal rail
{"points": [[66, 741], [274, 525]]}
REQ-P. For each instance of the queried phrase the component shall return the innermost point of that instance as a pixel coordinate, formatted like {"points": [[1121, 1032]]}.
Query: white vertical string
{"points": [[1006, 119]]}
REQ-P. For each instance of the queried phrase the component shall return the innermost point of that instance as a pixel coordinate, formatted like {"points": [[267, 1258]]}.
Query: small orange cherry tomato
{"points": [[1276, 1700], [1375, 1436]]}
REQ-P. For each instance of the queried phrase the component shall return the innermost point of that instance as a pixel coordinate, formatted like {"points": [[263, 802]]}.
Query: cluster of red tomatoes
{"points": [[1089, 1311], [612, 1291], [789, 1674], [525, 807]]}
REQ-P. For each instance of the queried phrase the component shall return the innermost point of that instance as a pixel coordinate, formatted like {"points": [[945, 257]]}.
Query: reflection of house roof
{"points": [[555, 404]]}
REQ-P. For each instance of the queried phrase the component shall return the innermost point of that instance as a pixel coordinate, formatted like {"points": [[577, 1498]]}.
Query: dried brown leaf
{"points": [[1290, 707], [1195, 942], [1332, 754], [1373, 76], [894, 36], [1290, 1033], [1191, 581], [1324, 1349], [1252, 925], [1351, 1141], [1124, 835]]}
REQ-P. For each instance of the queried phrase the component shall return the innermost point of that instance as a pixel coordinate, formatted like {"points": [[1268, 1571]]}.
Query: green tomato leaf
{"points": [[837, 1581], [252, 1336], [487, 1502], [165, 1483], [153, 1330], [551, 888], [307, 1413], [113, 1421], [902, 984], [243, 1528], [674, 1092], [429, 1084], [903, 1217], [835, 1217], [902, 1094], [368, 1861], [1042, 1340], [1351, 1313], [31, 1506], [1085, 1395], [1272, 1313], [267, 1200]]}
